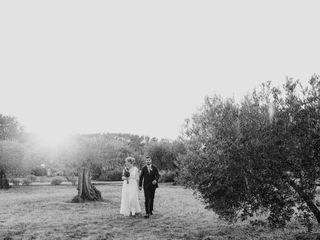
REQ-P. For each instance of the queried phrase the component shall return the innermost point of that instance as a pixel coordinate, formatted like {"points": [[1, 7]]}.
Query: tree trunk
{"points": [[4, 183], [86, 191], [313, 208]]}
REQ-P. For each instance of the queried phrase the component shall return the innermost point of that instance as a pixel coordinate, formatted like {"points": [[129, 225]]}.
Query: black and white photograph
{"points": [[159, 120]]}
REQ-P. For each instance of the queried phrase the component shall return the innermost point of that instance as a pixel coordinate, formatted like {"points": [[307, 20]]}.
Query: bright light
{"points": [[52, 138]]}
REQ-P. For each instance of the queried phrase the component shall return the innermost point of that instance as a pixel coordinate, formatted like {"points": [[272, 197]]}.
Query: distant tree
{"points": [[258, 156], [9, 128], [36, 155], [11, 159], [102, 153], [10, 151], [39, 171], [164, 153]]}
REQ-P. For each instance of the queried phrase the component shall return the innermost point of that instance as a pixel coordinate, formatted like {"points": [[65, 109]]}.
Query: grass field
{"points": [[45, 212]]}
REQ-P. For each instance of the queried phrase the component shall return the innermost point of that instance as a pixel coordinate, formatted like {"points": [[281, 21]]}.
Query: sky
{"points": [[143, 67]]}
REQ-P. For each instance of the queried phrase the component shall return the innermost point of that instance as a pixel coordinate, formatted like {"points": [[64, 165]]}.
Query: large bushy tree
{"points": [[261, 155]]}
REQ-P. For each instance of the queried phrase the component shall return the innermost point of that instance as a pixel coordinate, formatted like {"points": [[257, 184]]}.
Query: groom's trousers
{"points": [[149, 198]]}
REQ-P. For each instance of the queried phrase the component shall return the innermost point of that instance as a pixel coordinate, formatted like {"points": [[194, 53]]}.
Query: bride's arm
{"points": [[137, 174], [123, 177]]}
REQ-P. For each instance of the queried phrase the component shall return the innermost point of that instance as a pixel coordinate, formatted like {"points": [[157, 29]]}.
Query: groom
{"points": [[149, 176]]}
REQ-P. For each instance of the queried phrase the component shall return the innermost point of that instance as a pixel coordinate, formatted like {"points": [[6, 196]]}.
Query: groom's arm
{"points": [[156, 177], [156, 174], [141, 178]]}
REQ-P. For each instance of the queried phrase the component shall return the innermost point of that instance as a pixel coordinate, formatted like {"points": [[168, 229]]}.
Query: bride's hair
{"points": [[130, 160]]}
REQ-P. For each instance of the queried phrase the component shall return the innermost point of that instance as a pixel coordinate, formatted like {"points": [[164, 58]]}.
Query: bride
{"points": [[129, 197]]}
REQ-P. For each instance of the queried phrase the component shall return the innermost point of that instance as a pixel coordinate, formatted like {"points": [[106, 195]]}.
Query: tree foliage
{"points": [[11, 157], [164, 154], [10, 151], [23, 153], [258, 156], [9, 128]]}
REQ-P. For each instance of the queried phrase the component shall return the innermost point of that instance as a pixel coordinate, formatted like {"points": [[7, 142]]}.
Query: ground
{"points": [[45, 212]]}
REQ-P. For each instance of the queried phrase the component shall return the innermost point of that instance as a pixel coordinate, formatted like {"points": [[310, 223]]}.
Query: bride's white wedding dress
{"points": [[130, 194]]}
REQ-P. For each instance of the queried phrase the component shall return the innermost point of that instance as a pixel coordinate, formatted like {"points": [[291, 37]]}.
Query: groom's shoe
{"points": [[151, 213], [147, 216]]}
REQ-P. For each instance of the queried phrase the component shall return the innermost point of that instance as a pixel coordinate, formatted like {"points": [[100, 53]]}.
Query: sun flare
{"points": [[53, 138]]}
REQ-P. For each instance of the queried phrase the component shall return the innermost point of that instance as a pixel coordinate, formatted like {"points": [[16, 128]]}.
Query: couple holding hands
{"points": [[133, 181]]}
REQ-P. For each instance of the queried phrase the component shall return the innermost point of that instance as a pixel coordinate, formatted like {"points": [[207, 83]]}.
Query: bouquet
{"points": [[127, 174]]}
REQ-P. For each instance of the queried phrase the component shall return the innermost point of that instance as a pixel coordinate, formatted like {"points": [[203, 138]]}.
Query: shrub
{"points": [[56, 180], [56, 173], [39, 171], [15, 181], [26, 182], [31, 178], [111, 175], [167, 176], [95, 171]]}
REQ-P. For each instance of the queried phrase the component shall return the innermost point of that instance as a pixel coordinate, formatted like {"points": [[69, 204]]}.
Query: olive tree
{"points": [[257, 156]]}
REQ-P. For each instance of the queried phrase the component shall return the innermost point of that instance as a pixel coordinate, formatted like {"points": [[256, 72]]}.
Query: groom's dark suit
{"points": [[149, 189]]}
